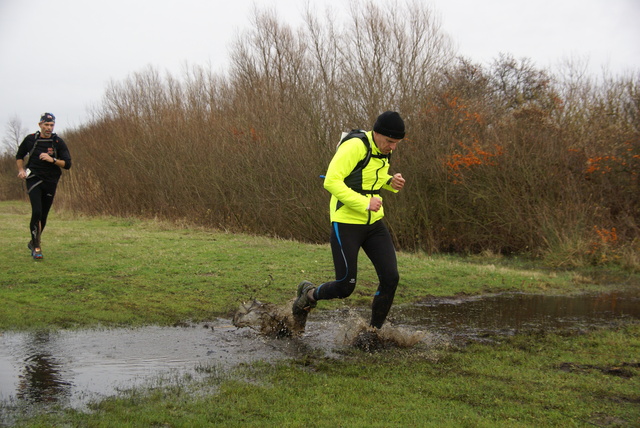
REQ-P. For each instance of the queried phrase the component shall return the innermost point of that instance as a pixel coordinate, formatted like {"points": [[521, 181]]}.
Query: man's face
{"points": [[385, 144], [46, 128]]}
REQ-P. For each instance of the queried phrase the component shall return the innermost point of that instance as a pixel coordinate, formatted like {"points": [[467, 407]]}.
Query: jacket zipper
{"points": [[384, 163]]}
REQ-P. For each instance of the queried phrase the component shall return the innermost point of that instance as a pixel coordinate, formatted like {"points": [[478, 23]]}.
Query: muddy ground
{"points": [[72, 368]]}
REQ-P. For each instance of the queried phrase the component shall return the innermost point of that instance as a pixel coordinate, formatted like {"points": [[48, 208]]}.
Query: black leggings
{"points": [[375, 240], [41, 194]]}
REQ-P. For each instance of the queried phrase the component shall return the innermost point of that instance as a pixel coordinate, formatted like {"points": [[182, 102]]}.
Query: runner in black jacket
{"points": [[47, 153]]}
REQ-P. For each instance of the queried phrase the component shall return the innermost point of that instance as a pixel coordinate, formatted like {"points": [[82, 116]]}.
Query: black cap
{"points": [[390, 124], [47, 117]]}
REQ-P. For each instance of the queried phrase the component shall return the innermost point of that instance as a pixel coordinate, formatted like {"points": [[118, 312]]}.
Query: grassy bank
{"points": [[111, 271], [114, 271]]}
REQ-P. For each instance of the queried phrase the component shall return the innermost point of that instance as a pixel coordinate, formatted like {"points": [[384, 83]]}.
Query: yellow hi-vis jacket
{"points": [[348, 205]]}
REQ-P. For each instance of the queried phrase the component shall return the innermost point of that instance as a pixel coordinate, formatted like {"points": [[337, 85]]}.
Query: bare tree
{"points": [[15, 133], [390, 56], [518, 83]]}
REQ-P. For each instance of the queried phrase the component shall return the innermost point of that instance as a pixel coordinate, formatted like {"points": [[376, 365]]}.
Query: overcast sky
{"points": [[59, 55]]}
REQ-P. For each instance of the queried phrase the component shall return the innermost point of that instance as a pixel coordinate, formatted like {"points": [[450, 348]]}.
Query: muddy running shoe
{"points": [[303, 304]]}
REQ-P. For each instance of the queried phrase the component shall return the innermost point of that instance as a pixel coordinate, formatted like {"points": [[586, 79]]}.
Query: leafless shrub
{"points": [[507, 158]]}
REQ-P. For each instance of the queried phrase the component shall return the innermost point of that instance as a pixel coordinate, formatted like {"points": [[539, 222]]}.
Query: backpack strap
{"points": [[35, 143], [36, 136], [359, 133], [354, 179]]}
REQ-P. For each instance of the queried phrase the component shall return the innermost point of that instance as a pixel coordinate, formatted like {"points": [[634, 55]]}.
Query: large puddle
{"points": [[72, 368], [512, 313]]}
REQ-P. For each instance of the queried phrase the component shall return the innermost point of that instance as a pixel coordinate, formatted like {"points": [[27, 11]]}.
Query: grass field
{"points": [[127, 272], [115, 271]]}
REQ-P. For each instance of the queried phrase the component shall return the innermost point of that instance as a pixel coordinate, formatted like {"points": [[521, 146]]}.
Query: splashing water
{"points": [[277, 322], [271, 320], [357, 333]]}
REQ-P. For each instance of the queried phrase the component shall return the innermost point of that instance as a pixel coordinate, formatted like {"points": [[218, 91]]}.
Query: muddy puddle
{"points": [[512, 313], [73, 368]]}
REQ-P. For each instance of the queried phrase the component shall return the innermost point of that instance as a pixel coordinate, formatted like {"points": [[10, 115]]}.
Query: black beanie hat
{"points": [[390, 124]]}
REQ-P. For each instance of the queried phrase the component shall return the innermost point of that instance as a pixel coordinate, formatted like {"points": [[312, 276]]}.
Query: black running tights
{"points": [[375, 240], [41, 197]]}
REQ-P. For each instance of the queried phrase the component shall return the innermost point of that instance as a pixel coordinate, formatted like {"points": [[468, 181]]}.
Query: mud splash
{"points": [[278, 322], [73, 368], [271, 320]]}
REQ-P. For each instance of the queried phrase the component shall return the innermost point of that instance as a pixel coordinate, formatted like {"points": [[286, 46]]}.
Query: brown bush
{"points": [[506, 158], [10, 187]]}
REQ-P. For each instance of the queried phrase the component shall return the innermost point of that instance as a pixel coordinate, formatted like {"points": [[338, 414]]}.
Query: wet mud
{"points": [[72, 368]]}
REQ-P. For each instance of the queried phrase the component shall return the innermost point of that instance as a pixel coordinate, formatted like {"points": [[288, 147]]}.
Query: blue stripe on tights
{"points": [[335, 228]]}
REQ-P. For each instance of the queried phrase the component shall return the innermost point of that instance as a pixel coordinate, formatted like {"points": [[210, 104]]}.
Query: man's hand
{"points": [[46, 157], [375, 204], [397, 182]]}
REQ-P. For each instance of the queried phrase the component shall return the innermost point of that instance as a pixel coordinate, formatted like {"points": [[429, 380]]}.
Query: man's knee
{"points": [[389, 282], [346, 288]]}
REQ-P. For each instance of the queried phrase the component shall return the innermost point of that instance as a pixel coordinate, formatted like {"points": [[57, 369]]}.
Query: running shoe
{"points": [[303, 304], [36, 253]]}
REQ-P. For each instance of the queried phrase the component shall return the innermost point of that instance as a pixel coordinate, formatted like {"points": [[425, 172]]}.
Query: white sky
{"points": [[59, 55]]}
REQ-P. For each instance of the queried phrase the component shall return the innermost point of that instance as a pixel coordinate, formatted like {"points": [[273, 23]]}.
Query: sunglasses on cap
{"points": [[47, 117]]}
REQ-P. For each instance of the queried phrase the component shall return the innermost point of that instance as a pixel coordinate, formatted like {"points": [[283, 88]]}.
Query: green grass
{"points": [[112, 272], [523, 381]]}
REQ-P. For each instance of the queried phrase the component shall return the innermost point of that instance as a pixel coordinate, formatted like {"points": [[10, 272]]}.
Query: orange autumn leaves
{"points": [[471, 151], [467, 155], [602, 248], [470, 157], [626, 161]]}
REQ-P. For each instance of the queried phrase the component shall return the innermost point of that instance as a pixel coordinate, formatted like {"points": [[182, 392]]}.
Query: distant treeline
{"points": [[503, 158]]}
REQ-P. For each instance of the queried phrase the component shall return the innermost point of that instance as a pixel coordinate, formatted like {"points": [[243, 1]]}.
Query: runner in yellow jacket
{"points": [[357, 219]]}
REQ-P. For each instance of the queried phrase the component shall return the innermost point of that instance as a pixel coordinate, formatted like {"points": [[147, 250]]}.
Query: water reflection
{"points": [[41, 379], [517, 312], [73, 367]]}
